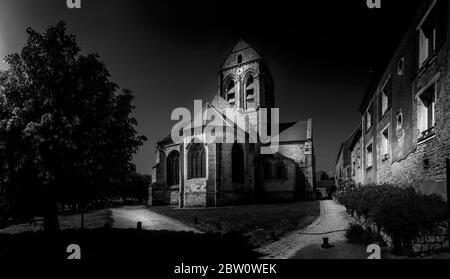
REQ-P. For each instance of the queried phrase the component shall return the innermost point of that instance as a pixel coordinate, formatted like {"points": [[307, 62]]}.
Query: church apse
{"points": [[202, 171]]}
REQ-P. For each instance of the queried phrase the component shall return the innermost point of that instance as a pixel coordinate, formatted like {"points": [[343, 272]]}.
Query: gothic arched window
{"points": [[196, 161], [230, 92], [237, 160], [173, 168]]}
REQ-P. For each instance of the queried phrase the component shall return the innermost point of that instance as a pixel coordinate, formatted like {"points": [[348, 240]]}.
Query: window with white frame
{"points": [[385, 144], [353, 165], [427, 35], [426, 112], [385, 97], [359, 158], [368, 118], [369, 156]]}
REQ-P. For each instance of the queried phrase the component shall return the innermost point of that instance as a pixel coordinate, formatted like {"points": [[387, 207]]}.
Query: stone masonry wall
{"points": [[411, 161], [423, 245], [302, 154]]}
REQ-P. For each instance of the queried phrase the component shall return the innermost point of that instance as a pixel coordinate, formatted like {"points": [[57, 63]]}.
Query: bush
{"points": [[4, 208], [402, 212], [405, 214], [356, 234]]}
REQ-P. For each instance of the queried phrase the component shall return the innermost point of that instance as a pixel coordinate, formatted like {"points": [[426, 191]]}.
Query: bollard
{"points": [[139, 226], [326, 244]]}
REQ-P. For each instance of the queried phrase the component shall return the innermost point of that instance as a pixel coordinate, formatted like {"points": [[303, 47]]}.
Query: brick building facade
{"points": [[204, 170], [406, 111]]}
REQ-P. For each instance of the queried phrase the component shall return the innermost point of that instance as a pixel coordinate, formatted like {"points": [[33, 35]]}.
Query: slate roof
{"points": [[294, 131], [241, 45]]}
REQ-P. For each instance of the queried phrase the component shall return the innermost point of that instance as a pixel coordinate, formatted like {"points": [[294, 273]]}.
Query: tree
{"points": [[66, 132], [136, 187]]}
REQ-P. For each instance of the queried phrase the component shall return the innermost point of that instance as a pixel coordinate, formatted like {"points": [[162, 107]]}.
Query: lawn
{"points": [[262, 224]]}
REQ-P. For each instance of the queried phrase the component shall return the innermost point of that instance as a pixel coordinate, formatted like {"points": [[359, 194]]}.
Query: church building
{"points": [[201, 171]]}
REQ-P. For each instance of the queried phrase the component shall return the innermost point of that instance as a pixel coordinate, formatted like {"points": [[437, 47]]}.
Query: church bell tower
{"points": [[245, 81]]}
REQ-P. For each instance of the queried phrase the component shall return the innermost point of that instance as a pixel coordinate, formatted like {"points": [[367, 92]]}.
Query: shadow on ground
{"points": [[341, 250], [345, 250], [106, 243]]}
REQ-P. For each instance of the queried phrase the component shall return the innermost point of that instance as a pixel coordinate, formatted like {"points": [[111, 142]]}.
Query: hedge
{"points": [[400, 210]]}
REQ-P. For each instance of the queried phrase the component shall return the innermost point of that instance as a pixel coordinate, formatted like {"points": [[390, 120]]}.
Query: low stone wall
{"points": [[174, 197], [422, 245], [195, 199]]}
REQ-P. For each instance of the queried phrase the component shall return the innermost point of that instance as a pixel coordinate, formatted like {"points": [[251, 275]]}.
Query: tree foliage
{"points": [[66, 132]]}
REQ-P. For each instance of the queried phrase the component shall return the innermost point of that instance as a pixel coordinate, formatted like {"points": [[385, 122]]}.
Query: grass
{"points": [[261, 224]]}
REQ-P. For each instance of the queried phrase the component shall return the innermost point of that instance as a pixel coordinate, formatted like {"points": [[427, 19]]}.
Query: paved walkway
{"points": [[306, 243], [128, 217]]}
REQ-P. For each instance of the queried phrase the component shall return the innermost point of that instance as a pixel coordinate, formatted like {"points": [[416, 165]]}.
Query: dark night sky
{"points": [[319, 52]]}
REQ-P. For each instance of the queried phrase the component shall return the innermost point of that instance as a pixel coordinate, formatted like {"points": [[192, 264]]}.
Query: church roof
{"points": [[249, 52], [289, 132], [217, 108], [241, 45], [294, 131], [166, 140]]}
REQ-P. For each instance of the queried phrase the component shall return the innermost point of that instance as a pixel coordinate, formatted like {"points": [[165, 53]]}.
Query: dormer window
{"points": [[239, 59]]}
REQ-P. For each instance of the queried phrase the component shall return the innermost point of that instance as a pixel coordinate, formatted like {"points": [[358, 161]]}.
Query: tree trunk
{"points": [[51, 222]]}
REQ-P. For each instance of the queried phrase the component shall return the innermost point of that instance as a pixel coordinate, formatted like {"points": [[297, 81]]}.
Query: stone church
{"points": [[200, 171]]}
